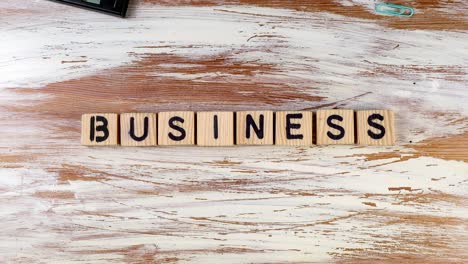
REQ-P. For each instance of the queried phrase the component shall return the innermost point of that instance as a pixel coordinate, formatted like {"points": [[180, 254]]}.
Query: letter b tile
{"points": [[100, 129]]}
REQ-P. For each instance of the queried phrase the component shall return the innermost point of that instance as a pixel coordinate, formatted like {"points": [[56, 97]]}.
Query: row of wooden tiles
{"points": [[293, 128]]}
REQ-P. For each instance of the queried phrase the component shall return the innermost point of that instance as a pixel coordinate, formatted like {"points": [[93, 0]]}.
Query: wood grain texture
{"points": [[221, 134], [254, 128], [335, 127], [144, 129], [66, 203], [100, 129], [379, 119], [176, 128], [298, 124]]}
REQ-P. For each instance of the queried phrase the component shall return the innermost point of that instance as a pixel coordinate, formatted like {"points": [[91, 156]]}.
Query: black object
{"points": [[115, 7]]}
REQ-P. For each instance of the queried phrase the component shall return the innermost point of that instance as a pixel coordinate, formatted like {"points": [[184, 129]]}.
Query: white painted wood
{"points": [[65, 203]]}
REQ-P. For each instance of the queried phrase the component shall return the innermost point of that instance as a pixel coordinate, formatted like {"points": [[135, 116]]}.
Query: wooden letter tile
{"points": [[254, 128], [375, 127], [176, 128], [294, 128], [138, 129], [335, 126], [215, 128], [100, 129]]}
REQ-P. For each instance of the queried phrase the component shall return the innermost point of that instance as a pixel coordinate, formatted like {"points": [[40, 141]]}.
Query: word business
{"points": [[290, 128]]}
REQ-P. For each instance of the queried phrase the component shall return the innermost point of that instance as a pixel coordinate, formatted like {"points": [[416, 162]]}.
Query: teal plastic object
{"points": [[394, 10]]}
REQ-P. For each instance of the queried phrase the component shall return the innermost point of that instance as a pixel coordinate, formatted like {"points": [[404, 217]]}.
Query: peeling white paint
{"points": [[338, 64], [294, 204]]}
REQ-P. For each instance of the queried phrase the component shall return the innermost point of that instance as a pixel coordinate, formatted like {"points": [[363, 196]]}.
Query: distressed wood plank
{"points": [[62, 202]]}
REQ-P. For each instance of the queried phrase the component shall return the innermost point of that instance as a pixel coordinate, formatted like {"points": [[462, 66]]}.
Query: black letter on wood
{"points": [[251, 123], [132, 129], [215, 126], [290, 126], [370, 121], [101, 128], [335, 126], [172, 125]]}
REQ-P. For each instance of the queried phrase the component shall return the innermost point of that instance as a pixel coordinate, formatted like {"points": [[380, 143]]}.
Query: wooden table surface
{"points": [[65, 203]]}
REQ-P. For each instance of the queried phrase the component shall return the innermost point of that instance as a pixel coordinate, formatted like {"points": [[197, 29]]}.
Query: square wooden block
{"points": [[215, 128], [176, 128], [375, 127], [138, 129], [294, 128], [254, 128], [100, 129], [335, 126]]}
